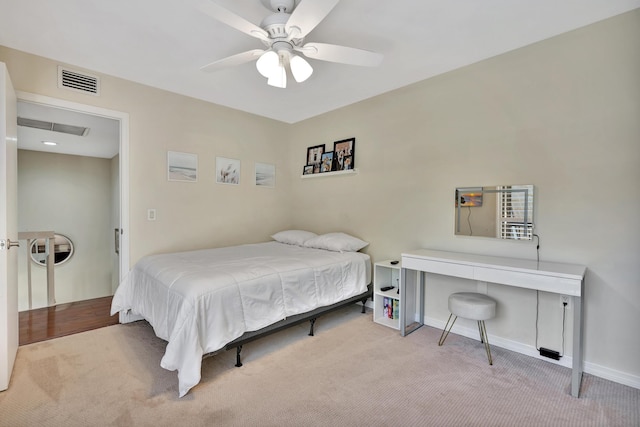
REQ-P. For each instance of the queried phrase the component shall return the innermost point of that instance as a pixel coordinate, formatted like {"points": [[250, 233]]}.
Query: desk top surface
{"points": [[573, 271]]}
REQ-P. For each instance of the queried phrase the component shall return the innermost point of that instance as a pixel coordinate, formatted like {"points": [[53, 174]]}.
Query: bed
{"points": [[207, 300]]}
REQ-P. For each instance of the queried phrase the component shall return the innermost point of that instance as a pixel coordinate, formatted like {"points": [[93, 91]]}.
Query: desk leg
{"points": [[411, 287], [403, 301], [421, 294], [576, 372]]}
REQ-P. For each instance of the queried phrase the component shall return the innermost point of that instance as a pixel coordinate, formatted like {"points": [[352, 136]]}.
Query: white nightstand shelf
{"points": [[386, 304], [387, 274]]}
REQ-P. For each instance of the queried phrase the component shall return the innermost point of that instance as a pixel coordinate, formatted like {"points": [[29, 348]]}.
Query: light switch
{"points": [[151, 214]]}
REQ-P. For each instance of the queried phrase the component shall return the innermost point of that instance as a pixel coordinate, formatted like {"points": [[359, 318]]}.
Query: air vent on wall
{"points": [[55, 127], [79, 82]]}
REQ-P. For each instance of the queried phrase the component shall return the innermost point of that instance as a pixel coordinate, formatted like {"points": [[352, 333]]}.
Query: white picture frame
{"points": [[227, 171], [265, 175], [182, 166]]}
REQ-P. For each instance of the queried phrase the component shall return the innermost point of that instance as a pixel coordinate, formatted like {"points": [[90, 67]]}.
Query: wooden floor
{"points": [[65, 319]]}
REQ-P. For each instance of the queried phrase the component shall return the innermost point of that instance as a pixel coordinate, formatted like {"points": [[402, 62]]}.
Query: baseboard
{"points": [[529, 350], [612, 375]]}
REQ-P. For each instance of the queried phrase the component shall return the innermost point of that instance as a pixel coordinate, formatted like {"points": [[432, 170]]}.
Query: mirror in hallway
{"points": [[63, 250]]}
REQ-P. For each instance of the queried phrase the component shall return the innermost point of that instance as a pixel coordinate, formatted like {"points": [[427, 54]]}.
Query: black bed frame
{"points": [[311, 316]]}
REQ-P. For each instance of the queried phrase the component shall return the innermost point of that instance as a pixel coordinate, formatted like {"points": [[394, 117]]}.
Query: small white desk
{"points": [[565, 279]]}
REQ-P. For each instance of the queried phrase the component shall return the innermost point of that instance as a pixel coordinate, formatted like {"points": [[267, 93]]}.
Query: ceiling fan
{"points": [[283, 34]]}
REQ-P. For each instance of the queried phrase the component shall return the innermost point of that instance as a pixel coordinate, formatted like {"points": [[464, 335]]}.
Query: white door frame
{"points": [[123, 119]]}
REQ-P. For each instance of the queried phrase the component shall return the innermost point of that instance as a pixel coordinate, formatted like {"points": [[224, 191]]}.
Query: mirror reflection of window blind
{"points": [[514, 202]]}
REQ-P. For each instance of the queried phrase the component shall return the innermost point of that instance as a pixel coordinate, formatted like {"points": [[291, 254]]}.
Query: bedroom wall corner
{"points": [[561, 115]]}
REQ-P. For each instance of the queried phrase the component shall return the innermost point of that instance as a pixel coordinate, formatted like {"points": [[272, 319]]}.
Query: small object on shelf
{"points": [[387, 288], [394, 262]]}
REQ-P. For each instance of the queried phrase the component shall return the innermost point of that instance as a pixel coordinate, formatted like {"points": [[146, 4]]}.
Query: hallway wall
{"points": [[71, 195]]}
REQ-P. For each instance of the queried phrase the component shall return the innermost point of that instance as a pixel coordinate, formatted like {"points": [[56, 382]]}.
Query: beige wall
{"points": [[70, 195], [561, 115]]}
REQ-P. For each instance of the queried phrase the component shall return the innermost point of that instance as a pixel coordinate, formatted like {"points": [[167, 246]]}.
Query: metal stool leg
{"points": [[444, 336], [485, 340]]}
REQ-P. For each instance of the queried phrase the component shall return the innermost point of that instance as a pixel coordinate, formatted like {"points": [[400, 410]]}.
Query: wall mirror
{"points": [[503, 212], [63, 249]]}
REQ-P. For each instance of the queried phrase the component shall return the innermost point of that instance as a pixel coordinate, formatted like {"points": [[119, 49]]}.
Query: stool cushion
{"points": [[472, 305]]}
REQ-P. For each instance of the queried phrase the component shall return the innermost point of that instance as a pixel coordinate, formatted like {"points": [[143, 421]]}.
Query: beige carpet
{"points": [[352, 373]]}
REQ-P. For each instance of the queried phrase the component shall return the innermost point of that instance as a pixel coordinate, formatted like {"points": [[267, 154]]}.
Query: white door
{"points": [[8, 228]]}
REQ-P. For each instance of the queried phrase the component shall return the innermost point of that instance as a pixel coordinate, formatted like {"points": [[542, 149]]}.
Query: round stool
{"points": [[474, 306]]}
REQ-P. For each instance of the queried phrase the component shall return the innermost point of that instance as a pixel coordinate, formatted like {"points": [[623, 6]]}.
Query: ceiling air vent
{"points": [[55, 127], [79, 82]]}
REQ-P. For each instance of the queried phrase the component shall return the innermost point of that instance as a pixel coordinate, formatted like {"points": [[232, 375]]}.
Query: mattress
{"points": [[198, 301]]}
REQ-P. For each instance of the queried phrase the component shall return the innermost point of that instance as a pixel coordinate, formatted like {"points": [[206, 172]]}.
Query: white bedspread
{"points": [[199, 301]]}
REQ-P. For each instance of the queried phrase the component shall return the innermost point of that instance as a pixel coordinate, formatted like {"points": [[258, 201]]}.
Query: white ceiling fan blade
{"points": [[341, 54], [229, 18], [307, 15], [233, 60]]}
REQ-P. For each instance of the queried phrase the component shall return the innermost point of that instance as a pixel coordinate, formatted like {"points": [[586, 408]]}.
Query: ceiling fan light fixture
{"points": [[278, 78], [283, 32], [300, 68], [268, 63]]}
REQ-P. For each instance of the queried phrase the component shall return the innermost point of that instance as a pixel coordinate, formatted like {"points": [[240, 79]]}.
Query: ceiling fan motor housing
{"points": [[280, 5], [275, 26]]}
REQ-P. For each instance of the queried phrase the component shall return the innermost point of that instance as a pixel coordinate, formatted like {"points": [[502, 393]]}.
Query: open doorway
{"points": [[77, 189]]}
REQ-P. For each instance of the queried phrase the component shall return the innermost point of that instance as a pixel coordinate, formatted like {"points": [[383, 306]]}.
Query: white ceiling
{"points": [[102, 139], [164, 43]]}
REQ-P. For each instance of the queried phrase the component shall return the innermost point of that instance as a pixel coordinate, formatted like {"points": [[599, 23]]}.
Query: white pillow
{"points": [[338, 242], [293, 237]]}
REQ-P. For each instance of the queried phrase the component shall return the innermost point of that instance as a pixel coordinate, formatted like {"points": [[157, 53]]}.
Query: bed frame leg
{"points": [[364, 301], [238, 362], [312, 321]]}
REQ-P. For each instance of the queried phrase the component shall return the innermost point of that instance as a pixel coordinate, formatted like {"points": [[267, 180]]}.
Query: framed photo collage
{"points": [[342, 158]]}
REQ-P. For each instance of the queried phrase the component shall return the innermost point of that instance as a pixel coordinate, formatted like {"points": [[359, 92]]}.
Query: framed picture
{"points": [[227, 171], [307, 170], [342, 150], [265, 175], [327, 162], [182, 166], [314, 154]]}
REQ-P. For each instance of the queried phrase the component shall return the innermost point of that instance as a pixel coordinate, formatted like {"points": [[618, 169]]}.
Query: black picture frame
{"points": [[326, 165], [341, 150], [307, 170], [314, 154]]}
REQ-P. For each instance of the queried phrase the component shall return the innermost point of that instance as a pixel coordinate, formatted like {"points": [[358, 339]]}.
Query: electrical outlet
{"points": [[151, 214], [565, 299]]}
